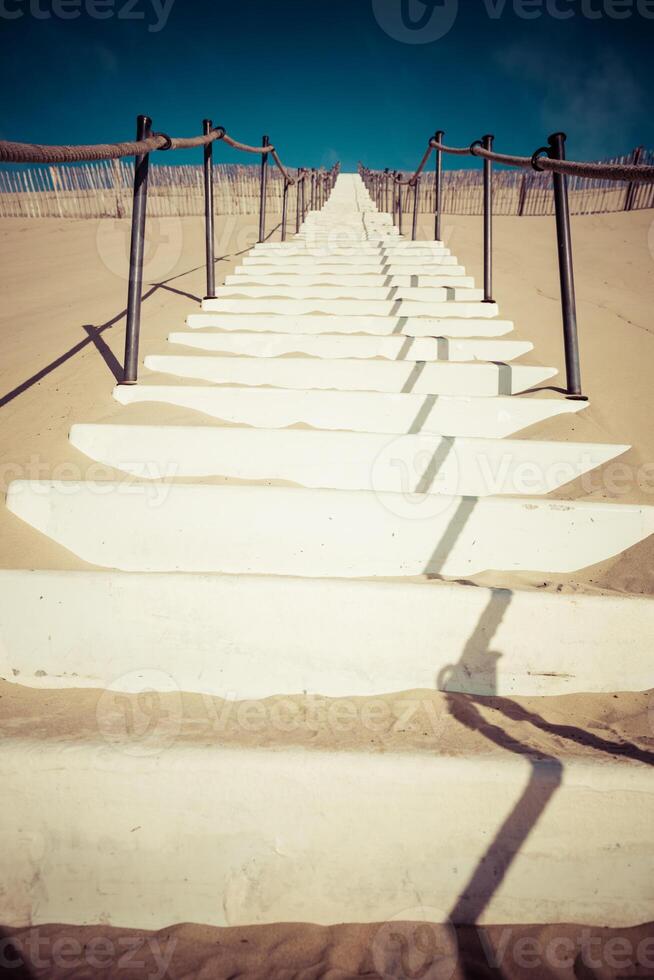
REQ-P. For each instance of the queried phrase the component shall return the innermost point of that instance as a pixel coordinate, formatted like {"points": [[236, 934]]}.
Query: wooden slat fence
{"points": [[530, 193], [104, 190]]}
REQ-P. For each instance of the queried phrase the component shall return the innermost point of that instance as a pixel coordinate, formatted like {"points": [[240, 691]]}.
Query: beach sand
{"points": [[300, 951]]}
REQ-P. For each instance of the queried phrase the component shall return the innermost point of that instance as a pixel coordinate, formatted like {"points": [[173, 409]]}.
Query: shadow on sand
{"points": [[94, 332]]}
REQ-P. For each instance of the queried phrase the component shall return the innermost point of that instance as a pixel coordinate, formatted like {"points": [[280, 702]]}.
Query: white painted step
{"points": [[288, 248], [320, 533], [355, 411], [450, 275], [211, 634], [352, 307], [423, 326], [346, 271], [334, 345], [351, 251], [183, 829], [438, 378], [423, 294], [409, 464], [355, 263]]}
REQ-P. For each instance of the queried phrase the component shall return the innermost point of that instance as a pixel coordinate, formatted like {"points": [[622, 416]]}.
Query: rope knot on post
{"points": [[536, 155], [168, 145]]}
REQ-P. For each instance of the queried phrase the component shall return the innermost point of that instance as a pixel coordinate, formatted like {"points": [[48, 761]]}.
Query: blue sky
{"points": [[332, 79]]}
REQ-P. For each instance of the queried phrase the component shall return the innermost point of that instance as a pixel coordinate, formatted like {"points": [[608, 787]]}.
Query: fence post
{"points": [[302, 195], [137, 245], [386, 207], [313, 188], [208, 211], [556, 151], [298, 183], [522, 197], [487, 143], [631, 186], [284, 208], [264, 186], [399, 202], [438, 185], [416, 200]]}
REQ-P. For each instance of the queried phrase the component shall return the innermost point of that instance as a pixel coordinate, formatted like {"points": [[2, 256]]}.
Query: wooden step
{"points": [[270, 530], [435, 377]]}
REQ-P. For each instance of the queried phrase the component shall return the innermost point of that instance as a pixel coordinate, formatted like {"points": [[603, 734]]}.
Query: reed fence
{"points": [[105, 190], [530, 193]]}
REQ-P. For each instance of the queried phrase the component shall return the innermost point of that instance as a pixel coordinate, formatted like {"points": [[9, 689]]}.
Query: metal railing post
{"points": [[487, 143], [438, 186], [208, 211], [416, 200], [263, 189], [399, 202], [284, 208], [137, 246], [556, 151]]}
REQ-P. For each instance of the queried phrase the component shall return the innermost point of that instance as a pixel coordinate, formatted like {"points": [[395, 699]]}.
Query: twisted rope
{"points": [[280, 166], [459, 151], [37, 153], [248, 149], [592, 171], [12, 152]]}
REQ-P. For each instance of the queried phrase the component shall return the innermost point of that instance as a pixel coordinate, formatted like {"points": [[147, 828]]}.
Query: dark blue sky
{"points": [[332, 79]]}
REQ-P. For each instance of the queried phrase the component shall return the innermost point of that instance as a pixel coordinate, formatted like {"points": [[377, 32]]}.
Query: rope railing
{"points": [[148, 142], [13, 152], [573, 168], [550, 158], [538, 161]]}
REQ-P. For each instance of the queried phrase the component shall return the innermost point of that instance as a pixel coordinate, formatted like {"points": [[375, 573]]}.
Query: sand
{"points": [[377, 951]]}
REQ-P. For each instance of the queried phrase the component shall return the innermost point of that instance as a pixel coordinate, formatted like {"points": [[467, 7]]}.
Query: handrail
{"points": [[546, 158], [147, 142], [13, 152], [641, 173]]}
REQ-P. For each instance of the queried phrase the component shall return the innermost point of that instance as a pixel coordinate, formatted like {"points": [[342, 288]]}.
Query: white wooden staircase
{"points": [[366, 408]]}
